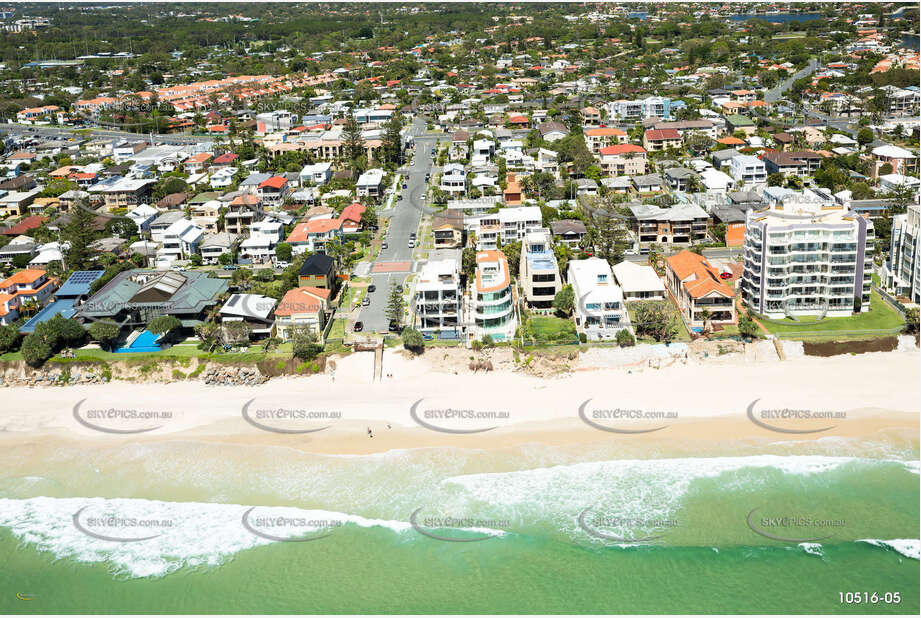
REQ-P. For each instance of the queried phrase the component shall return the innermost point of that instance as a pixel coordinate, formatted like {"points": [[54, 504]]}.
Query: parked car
{"points": [[365, 301], [231, 267], [412, 243], [383, 245], [725, 275], [358, 327], [630, 252], [394, 327], [412, 235], [281, 264], [422, 196], [371, 288]]}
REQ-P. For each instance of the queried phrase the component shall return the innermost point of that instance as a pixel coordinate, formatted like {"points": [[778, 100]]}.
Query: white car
{"points": [[412, 243], [282, 264]]}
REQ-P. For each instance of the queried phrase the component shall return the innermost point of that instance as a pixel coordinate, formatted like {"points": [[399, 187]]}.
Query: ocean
{"points": [[788, 527]]}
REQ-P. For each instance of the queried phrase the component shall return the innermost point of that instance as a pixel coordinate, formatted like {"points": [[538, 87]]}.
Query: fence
{"points": [[891, 300]]}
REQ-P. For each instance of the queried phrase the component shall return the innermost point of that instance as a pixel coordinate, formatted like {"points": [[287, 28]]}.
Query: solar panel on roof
{"points": [[233, 300]]}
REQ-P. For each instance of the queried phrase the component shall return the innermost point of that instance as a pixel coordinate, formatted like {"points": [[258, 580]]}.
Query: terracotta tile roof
{"points": [[618, 149], [702, 278], [29, 275], [305, 299]]}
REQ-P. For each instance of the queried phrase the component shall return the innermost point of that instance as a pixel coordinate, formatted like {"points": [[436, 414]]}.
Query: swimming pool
{"points": [[145, 342]]}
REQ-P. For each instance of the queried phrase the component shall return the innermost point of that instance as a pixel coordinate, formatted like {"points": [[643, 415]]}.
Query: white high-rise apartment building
{"points": [[803, 258]]}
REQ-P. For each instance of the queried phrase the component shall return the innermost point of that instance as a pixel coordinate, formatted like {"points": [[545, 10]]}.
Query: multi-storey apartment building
{"points": [[903, 272], [539, 274], [505, 226], [493, 304], [623, 159], [438, 297], [804, 258]]}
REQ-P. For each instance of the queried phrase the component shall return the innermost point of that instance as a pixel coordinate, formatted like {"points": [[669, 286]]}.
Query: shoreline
{"points": [[697, 402]]}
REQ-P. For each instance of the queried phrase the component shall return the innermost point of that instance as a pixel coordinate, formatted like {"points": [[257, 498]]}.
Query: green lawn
{"points": [[880, 317], [682, 333], [550, 329]]}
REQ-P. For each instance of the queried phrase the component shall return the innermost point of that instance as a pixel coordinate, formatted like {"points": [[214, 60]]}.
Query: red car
{"points": [[725, 275]]}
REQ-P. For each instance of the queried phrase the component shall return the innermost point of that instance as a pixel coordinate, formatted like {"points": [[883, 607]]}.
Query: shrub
{"points": [[625, 338], [583, 338], [413, 341]]}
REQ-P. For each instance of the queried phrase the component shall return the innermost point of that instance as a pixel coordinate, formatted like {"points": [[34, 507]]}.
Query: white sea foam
{"points": [[814, 549], [910, 548], [629, 493], [198, 534]]}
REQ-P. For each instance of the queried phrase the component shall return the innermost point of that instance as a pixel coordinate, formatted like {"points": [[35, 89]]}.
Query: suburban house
{"points": [[371, 183], [273, 191], [319, 271], [600, 312], [598, 138], [454, 178], [539, 274], [902, 161], [317, 174], [638, 281], [253, 309], [792, 163], [302, 307], [552, 131], [702, 297], [65, 299], [661, 139], [746, 169], [217, 244], [737, 122], [447, 231], [568, 231], [134, 297], [26, 287]]}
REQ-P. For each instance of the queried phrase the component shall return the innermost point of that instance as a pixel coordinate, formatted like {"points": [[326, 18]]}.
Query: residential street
{"points": [[404, 220]]}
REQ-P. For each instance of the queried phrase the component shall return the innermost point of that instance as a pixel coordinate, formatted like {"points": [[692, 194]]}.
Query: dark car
{"points": [[412, 235], [358, 327], [393, 327], [371, 288]]}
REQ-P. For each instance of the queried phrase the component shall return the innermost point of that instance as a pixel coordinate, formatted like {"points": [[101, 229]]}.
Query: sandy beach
{"points": [[419, 405]]}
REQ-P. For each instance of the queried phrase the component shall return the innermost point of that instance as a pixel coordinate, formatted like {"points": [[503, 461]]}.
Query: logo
{"points": [[128, 415], [791, 414], [795, 521], [621, 522], [293, 416], [115, 522], [252, 525], [457, 523], [455, 414], [618, 414]]}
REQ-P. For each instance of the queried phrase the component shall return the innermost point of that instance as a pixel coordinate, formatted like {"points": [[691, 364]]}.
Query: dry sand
{"points": [[878, 393]]}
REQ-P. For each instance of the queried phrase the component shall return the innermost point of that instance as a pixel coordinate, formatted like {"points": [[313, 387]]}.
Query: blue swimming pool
{"points": [[145, 342]]}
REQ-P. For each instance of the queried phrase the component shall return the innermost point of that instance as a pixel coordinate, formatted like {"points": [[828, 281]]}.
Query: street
{"points": [[404, 220]]}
